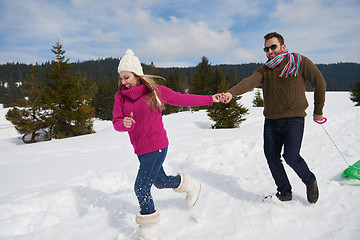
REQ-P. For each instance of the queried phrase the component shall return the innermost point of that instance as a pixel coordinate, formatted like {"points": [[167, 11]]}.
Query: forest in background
{"points": [[103, 72]]}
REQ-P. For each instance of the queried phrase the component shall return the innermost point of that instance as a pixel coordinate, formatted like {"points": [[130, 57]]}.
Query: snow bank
{"points": [[82, 187]]}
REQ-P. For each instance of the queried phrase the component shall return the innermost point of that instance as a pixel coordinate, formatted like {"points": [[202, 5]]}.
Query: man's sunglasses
{"points": [[272, 47]]}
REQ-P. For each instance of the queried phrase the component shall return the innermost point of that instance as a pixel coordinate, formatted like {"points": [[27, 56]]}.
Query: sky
{"points": [[178, 33]]}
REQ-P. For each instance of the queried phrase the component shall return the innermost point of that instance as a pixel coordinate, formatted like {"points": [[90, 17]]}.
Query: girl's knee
{"points": [[159, 183]]}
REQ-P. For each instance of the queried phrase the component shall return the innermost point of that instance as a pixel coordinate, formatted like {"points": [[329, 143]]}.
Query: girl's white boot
{"points": [[148, 226], [190, 187]]}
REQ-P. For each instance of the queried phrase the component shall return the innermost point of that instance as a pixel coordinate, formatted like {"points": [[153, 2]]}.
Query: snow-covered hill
{"points": [[82, 187]]}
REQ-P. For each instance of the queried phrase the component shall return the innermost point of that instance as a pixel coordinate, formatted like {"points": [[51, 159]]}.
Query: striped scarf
{"points": [[292, 66]]}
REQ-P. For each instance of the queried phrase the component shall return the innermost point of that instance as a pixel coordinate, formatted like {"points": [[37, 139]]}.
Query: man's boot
{"points": [[312, 192]]}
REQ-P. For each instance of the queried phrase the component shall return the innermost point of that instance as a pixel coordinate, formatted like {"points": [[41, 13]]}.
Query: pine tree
{"points": [[218, 77], [12, 93], [203, 79], [67, 98], [27, 115], [228, 115], [233, 76], [151, 69], [355, 93], [173, 82], [258, 101], [104, 100]]}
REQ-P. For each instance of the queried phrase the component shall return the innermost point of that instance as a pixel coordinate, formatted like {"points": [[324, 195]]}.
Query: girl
{"points": [[137, 110]]}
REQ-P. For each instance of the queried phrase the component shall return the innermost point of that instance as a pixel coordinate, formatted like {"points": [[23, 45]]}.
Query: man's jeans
{"points": [[151, 172], [287, 132]]}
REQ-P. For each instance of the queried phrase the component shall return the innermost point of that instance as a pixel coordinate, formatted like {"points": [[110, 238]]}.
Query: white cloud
{"points": [[80, 56], [243, 55], [162, 31], [101, 37], [186, 39], [323, 30], [175, 37], [21, 57]]}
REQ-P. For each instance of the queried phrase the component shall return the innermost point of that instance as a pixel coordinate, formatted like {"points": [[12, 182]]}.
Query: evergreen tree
{"points": [[228, 115], [203, 79], [173, 82], [355, 93], [12, 93], [233, 77], [104, 100], [2, 92], [218, 77], [26, 116], [258, 101], [151, 69], [67, 98]]}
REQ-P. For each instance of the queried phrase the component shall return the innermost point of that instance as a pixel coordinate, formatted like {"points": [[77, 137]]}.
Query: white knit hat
{"points": [[130, 63]]}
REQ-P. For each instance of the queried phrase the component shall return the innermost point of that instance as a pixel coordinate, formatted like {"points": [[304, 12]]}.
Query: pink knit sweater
{"points": [[148, 133]]}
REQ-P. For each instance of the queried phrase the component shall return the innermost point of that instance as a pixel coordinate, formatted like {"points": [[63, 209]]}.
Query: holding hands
{"points": [[219, 97], [222, 97]]}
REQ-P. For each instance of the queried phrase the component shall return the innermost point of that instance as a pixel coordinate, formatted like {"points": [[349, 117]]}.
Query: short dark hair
{"points": [[274, 34]]}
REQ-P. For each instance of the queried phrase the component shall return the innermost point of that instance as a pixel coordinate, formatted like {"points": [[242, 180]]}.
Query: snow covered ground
{"points": [[82, 187]]}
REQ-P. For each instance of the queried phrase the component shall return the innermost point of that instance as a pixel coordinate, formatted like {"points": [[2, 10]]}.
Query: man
{"points": [[283, 78]]}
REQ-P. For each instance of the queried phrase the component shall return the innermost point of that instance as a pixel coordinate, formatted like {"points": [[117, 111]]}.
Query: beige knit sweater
{"points": [[285, 97]]}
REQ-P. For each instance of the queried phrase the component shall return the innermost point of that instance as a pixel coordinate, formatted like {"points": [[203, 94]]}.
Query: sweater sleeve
{"points": [[118, 116], [185, 100], [247, 84], [313, 75]]}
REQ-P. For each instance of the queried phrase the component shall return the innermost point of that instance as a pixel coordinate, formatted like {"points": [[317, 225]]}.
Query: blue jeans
{"points": [[287, 133], [151, 172]]}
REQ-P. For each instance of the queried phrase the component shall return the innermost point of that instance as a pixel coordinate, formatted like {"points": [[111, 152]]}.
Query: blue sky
{"points": [[177, 33]]}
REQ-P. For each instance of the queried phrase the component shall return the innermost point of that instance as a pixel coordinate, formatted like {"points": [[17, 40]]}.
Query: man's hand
{"points": [[227, 97], [318, 118]]}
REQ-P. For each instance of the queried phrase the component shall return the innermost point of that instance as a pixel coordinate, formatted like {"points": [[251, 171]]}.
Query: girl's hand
{"points": [[128, 121], [217, 97]]}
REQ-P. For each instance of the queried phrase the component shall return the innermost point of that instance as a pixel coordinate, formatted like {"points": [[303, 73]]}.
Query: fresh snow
{"points": [[81, 188]]}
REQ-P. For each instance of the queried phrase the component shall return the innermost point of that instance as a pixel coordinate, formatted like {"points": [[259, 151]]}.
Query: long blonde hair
{"points": [[153, 100]]}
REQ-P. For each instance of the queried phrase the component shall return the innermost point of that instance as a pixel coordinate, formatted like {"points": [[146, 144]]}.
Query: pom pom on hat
{"points": [[130, 63]]}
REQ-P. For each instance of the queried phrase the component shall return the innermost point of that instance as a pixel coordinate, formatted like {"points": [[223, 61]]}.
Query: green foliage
{"points": [[26, 116], [67, 98], [258, 101], [174, 83], [355, 93], [218, 77], [151, 69], [11, 93], [202, 82], [228, 115], [338, 76], [104, 100], [233, 76], [62, 106]]}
